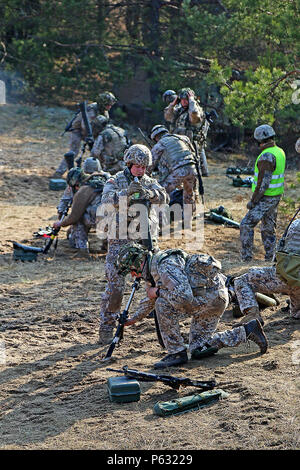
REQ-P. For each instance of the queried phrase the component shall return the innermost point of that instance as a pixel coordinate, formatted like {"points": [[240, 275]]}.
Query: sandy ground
{"points": [[53, 383]]}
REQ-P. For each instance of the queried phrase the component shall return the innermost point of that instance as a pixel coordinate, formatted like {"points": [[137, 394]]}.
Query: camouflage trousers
{"points": [[78, 236], [112, 297], [74, 142], [203, 326], [265, 281], [186, 176], [266, 213]]}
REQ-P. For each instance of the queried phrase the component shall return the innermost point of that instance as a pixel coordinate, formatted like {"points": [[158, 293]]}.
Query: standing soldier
{"points": [[145, 191], [78, 131], [109, 145], [267, 188], [173, 155], [168, 97], [188, 118], [181, 283], [282, 278]]}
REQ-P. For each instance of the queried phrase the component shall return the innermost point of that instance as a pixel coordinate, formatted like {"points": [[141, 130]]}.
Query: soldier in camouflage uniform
{"points": [[145, 191], [180, 283], [91, 165], [78, 132], [87, 192], [109, 145], [267, 189], [173, 155], [268, 280], [169, 96], [188, 118]]}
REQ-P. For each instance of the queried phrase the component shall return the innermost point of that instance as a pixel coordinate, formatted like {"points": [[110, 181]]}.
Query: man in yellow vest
{"points": [[267, 188]]}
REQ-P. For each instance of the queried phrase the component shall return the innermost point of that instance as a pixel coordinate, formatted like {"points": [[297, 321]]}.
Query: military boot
{"points": [[255, 333], [105, 337], [171, 360]]}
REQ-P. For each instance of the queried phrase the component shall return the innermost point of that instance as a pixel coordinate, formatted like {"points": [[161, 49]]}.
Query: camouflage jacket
{"points": [[187, 121], [183, 280], [109, 147], [116, 202]]}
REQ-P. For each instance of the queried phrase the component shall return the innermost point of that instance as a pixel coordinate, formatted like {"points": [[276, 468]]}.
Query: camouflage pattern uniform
{"points": [[109, 147], [173, 156], [191, 122], [267, 281], [187, 287], [264, 211], [83, 215], [116, 187], [77, 134]]}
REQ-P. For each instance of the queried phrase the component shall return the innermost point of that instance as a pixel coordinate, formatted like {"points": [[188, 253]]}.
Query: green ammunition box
{"points": [[123, 389], [57, 184]]}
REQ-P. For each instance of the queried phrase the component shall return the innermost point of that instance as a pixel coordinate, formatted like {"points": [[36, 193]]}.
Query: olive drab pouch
{"points": [[188, 403], [288, 267], [201, 268]]}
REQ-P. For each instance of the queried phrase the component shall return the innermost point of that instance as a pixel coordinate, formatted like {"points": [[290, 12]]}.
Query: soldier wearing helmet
{"points": [[188, 118], [85, 192], [125, 188], [267, 188], [173, 156], [109, 145], [190, 284], [78, 131]]}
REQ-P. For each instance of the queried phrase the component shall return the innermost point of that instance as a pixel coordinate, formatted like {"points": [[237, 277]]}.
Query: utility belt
{"points": [[288, 267]]}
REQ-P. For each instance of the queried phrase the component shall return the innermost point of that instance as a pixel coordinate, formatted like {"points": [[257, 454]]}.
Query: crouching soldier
{"points": [[282, 278], [179, 283], [120, 187], [86, 191]]}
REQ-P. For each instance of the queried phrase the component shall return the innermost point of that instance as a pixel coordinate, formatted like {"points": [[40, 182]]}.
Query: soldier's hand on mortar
{"points": [[134, 187], [151, 292], [56, 224]]}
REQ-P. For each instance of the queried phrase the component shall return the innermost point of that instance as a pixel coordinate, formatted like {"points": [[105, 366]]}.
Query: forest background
{"points": [[240, 56]]}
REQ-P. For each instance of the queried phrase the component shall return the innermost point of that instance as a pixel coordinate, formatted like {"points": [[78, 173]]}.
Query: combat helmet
{"points": [[157, 129], [106, 99], [91, 164], [184, 93], [264, 132], [169, 96], [138, 154], [130, 258], [75, 176]]}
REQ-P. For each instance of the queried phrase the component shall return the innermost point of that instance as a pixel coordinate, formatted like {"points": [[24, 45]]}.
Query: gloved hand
{"points": [[134, 187]]}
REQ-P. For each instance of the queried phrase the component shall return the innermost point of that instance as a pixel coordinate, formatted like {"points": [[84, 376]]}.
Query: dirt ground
{"points": [[53, 383]]}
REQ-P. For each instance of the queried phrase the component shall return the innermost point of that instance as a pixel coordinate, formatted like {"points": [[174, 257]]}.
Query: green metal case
{"points": [[123, 389]]}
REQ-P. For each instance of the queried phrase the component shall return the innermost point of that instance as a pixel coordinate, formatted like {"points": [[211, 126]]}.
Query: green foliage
{"points": [[249, 102]]}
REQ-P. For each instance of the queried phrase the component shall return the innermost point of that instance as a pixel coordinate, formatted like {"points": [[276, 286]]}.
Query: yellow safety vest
{"points": [[276, 185]]}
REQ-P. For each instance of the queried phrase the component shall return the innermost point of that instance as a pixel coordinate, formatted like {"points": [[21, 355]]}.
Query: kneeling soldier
{"points": [[179, 283]]}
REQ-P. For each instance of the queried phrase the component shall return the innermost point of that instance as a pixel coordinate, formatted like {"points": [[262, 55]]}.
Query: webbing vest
{"points": [[177, 152], [276, 186]]}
